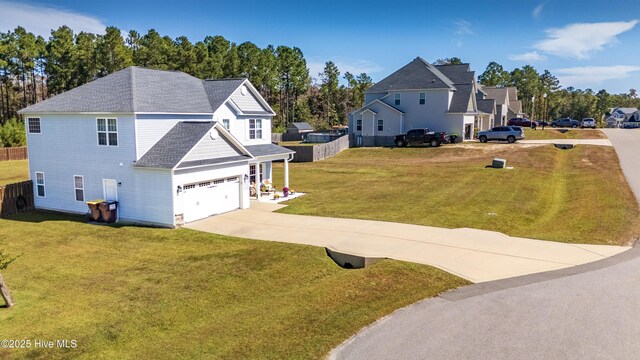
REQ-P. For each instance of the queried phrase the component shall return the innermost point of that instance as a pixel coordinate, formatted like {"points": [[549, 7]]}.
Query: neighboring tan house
{"points": [[507, 104], [418, 95], [169, 147], [620, 115]]}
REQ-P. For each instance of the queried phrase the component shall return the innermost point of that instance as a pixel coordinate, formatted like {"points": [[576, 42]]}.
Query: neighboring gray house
{"points": [[169, 147], [299, 127], [507, 104], [418, 95], [620, 115]]}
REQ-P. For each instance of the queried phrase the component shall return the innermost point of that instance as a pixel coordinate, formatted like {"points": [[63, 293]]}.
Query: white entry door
{"points": [[110, 189], [211, 197]]}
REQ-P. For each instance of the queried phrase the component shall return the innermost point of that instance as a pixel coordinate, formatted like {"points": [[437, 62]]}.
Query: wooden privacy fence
{"points": [[13, 153], [16, 198], [321, 151]]}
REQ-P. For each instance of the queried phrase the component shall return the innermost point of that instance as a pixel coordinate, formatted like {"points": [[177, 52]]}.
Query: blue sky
{"points": [[586, 44]]}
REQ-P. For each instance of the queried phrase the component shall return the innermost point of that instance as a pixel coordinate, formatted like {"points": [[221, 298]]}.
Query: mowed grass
{"points": [[550, 133], [578, 195], [13, 171], [132, 292]]}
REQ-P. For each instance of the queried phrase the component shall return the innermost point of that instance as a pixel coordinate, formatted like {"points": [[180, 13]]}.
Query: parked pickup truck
{"points": [[415, 137]]}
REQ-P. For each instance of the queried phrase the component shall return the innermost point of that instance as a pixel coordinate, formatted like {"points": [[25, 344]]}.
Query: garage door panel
{"points": [[206, 198]]}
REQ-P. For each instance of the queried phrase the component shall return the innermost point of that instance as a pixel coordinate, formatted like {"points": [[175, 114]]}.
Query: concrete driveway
{"points": [[475, 255], [585, 312]]}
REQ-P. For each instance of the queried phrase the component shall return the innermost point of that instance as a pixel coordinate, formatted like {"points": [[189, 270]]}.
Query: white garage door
{"points": [[211, 197]]}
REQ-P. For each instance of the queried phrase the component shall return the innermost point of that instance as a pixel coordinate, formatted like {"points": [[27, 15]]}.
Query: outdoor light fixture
{"points": [[179, 190], [246, 177]]}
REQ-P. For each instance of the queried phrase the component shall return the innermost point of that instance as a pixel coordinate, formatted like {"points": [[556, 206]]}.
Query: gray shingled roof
{"points": [[219, 90], [461, 98], [487, 105], [175, 144], [301, 126], [458, 74], [268, 149], [497, 93], [136, 89], [221, 160], [418, 74], [515, 106]]}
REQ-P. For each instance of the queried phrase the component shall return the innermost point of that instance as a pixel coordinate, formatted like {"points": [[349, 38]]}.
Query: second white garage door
{"points": [[210, 197]]}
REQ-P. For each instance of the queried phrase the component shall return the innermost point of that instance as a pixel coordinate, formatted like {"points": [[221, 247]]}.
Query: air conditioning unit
{"points": [[499, 163]]}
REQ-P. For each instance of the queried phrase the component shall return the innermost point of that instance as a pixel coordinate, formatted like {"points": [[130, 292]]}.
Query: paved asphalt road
{"points": [[590, 311]]}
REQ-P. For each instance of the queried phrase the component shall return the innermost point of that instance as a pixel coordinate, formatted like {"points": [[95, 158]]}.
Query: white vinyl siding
{"points": [[40, 191], [78, 187], [107, 131], [33, 125]]}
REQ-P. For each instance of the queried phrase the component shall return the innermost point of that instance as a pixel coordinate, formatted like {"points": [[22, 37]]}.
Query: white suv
{"points": [[588, 123]]}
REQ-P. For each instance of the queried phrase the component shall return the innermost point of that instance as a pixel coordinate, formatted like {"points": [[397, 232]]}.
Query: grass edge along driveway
{"points": [[121, 292], [575, 196]]}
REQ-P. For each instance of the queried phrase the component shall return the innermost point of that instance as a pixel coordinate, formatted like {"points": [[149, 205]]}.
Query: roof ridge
{"points": [[437, 73]]}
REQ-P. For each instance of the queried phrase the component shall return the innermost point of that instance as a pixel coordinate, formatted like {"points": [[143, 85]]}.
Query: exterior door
{"points": [[110, 189]]}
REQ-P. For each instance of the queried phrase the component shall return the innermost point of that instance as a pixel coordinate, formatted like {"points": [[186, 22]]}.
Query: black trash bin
{"points": [[453, 138], [109, 211]]}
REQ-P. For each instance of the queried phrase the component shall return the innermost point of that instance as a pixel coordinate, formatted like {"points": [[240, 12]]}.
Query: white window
{"points": [[423, 98], [226, 124], [380, 125], [34, 125], [359, 125], [255, 128], [78, 186], [40, 184], [252, 174], [107, 132], [397, 99]]}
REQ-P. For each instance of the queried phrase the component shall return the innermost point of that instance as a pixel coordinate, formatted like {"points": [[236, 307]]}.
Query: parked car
{"points": [[565, 122], [588, 122], [415, 137], [521, 122], [508, 133]]}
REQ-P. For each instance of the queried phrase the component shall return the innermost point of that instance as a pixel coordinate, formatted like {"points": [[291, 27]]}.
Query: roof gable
{"points": [[418, 74], [458, 74], [462, 100], [498, 93]]}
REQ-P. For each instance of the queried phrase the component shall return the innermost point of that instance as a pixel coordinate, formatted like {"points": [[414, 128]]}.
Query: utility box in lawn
{"points": [[499, 163]]}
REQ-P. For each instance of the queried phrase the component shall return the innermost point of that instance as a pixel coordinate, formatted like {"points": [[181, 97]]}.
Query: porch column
{"points": [[258, 180], [286, 172]]}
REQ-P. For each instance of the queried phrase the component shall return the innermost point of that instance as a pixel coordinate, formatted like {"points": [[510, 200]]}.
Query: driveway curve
{"points": [[586, 312], [476, 255]]}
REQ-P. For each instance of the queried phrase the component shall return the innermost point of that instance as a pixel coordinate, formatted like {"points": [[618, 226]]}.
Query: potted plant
{"points": [[285, 191]]}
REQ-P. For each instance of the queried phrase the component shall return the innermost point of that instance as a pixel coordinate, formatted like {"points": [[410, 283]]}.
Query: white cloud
{"points": [[354, 66], [580, 39], [41, 19], [532, 56], [463, 28], [591, 76], [538, 11]]}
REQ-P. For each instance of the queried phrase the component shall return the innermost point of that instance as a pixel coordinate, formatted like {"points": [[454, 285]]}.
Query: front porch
{"points": [[261, 181]]}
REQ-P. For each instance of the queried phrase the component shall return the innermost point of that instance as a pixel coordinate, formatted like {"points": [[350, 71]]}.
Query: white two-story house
{"points": [[168, 147], [418, 95]]}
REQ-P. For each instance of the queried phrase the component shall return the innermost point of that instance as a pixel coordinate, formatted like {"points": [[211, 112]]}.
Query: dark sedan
{"points": [[565, 122]]}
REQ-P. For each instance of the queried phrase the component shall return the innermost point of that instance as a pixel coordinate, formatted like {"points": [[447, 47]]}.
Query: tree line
{"points": [[570, 102], [33, 68]]}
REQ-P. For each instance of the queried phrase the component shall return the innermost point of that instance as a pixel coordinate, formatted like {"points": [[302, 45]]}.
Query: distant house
{"points": [[620, 115], [299, 127], [487, 111], [418, 95], [507, 104]]}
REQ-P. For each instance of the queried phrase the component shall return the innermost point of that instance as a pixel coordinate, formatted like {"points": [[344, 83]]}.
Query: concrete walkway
{"points": [[600, 142], [476, 255]]}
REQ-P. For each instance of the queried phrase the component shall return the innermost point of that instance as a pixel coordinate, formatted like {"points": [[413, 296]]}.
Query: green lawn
{"points": [[132, 292], [13, 171], [550, 133], [577, 195]]}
